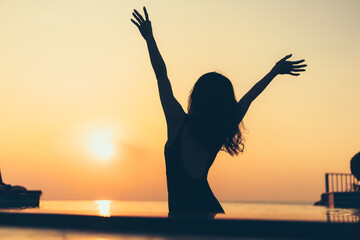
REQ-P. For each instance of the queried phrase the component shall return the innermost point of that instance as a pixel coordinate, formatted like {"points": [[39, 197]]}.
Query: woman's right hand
{"points": [[144, 25]]}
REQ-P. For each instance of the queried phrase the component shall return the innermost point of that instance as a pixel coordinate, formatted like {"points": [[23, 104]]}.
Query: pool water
{"points": [[9, 233], [107, 208]]}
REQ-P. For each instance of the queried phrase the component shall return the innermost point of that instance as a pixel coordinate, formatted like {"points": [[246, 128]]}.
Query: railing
{"points": [[341, 182], [343, 218]]}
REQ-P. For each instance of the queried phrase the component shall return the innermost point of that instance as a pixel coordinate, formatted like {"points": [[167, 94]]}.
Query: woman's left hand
{"points": [[289, 67]]}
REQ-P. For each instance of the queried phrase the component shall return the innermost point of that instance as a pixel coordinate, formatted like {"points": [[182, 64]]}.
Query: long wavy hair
{"points": [[212, 114]]}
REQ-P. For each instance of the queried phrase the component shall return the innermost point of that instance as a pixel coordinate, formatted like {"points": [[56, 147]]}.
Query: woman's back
{"points": [[187, 166], [197, 158]]}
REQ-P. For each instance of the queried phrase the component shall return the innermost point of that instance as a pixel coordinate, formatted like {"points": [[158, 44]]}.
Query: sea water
{"points": [[234, 210]]}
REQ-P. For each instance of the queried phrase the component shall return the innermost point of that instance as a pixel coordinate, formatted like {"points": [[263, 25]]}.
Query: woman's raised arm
{"points": [[172, 109], [282, 67]]}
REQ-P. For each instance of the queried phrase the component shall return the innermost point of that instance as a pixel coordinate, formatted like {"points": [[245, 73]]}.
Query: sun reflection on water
{"points": [[103, 207]]}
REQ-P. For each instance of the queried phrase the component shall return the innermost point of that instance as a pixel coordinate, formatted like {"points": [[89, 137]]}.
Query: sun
{"points": [[100, 143], [103, 207]]}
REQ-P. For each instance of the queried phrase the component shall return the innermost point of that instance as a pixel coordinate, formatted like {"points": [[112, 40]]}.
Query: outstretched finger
{"points": [[299, 66], [298, 70], [294, 74], [134, 22], [146, 14], [137, 18], [139, 15], [297, 62], [286, 57]]}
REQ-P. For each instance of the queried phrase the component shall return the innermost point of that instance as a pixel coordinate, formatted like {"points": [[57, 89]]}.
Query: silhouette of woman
{"points": [[211, 124]]}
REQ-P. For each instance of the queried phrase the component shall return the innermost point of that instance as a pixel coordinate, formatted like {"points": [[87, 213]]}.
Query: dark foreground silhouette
{"points": [[211, 124], [355, 166], [17, 196], [7, 187]]}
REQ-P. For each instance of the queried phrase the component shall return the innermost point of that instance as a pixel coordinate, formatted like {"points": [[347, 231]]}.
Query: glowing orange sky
{"points": [[70, 67]]}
